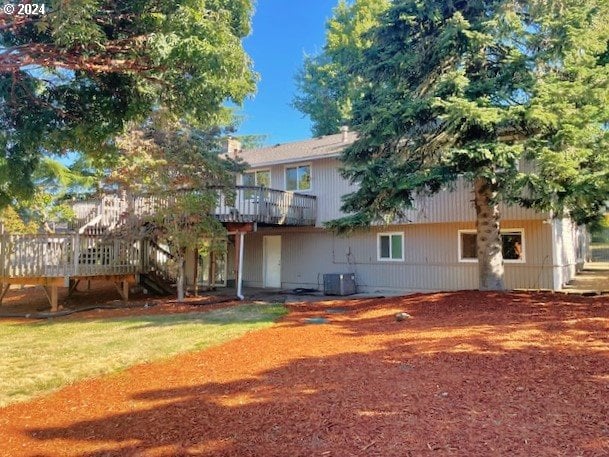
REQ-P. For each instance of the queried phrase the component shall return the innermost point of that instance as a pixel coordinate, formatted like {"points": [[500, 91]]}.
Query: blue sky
{"points": [[283, 32]]}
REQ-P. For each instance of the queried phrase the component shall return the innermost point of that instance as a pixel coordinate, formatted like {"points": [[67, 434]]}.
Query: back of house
{"points": [[432, 249]]}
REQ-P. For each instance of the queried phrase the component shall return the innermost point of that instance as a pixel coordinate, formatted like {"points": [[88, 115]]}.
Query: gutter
{"points": [[254, 165]]}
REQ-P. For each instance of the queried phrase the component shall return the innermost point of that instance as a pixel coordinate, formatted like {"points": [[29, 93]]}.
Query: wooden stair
{"points": [[156, 285]]}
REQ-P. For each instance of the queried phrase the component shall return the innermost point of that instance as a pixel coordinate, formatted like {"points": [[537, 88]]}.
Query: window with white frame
{"points": [[298, 178], [261, 178], [390, 246], [512, 244]]}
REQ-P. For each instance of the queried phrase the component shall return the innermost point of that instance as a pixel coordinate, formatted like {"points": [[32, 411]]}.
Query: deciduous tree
{"points": [[326, 85], [71, 78], [171, 162]]}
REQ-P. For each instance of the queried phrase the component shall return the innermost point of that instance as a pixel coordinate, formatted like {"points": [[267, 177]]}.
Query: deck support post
{"points": [[195, 273], [3, 291], [73, 284], [239, 231], [236, 259], [212, 271], [52, 295], [123, 289]]}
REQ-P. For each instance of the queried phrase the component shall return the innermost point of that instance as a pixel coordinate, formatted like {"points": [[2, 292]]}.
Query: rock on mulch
{"points": [[467, 374]]}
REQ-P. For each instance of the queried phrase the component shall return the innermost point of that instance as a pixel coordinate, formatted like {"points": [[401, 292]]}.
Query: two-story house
{"points": [[434, 250], [276, 237]]}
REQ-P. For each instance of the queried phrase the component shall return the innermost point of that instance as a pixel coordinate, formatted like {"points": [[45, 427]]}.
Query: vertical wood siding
{"points": [[430, 242], [565, 235], [252, 259], [329, 186], [431, 258], [455, 204], [451, 205]]}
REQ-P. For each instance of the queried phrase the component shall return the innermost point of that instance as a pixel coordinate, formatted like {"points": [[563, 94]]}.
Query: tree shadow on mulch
{"points": [[533, 386], [465, 411]]}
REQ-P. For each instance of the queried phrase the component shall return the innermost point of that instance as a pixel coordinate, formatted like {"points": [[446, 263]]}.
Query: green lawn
{"points": [[40, 357]]}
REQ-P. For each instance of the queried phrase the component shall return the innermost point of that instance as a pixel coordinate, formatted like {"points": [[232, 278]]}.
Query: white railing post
{"points": [[76, 241]]}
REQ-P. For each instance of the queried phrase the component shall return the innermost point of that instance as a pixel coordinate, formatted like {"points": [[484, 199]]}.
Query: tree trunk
{"points": [[488, 237], [180, 282]]}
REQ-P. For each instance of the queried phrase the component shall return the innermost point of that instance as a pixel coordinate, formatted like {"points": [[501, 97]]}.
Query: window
{"points": [[512, 241], [261, 178], [468, 246], [298, 178], [391, 246], [512, 245]]}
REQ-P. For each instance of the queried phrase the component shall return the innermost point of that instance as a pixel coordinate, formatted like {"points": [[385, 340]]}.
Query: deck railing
{"points": [[66, 255], [159, 260], [92, 252], [267, 206], [85, 210], [241, 204]]}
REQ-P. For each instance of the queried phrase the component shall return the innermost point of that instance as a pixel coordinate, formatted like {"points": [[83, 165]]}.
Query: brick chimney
{"points": [[345, 131], [233, 147]]}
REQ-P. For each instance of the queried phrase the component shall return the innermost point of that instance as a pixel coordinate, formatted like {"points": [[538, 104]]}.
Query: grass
{"points": [[41, 357]]}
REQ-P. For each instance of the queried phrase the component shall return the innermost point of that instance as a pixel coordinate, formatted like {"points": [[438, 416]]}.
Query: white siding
{"points": [[451, 205], [569, 244], [252, 260], [456, 205], [430, 242], [430, 262]]}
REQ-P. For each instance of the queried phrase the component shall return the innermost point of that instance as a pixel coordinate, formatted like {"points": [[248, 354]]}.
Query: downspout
{"points": [[240, 270]]}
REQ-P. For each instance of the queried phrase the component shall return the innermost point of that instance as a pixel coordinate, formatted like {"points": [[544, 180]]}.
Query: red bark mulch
{"points": [[469, 374], [32, 301]]}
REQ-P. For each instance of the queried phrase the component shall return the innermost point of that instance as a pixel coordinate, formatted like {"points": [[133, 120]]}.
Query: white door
{"points": [[271, 246]]}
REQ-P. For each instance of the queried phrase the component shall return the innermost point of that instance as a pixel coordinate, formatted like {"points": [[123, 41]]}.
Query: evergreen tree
{"points": [[12, 222], [55, 185], [471, 88]]}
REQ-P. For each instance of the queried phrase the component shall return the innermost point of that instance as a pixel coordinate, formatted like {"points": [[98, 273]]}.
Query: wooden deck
{"points": [[106, 241], [267, 206], [61, 260], [246, 204], [66, 255], [242, 204]]}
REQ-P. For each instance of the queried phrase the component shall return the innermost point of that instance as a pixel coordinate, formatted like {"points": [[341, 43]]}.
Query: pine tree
{"points": [[469, 89]]}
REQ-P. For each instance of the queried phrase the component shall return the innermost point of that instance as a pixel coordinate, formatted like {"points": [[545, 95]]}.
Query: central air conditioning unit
{"points": [[339, 284]]}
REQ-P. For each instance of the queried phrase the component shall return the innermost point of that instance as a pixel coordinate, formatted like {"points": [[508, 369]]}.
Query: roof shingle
{"points": [[315, 148]]}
